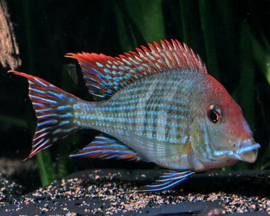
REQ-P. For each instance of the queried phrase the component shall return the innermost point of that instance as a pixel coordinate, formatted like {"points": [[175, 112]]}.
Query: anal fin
{"points": [[166, 181], [106, 147]]}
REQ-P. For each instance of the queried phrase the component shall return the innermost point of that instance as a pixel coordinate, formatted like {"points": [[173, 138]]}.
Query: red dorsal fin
{"points": [[105, 75]]}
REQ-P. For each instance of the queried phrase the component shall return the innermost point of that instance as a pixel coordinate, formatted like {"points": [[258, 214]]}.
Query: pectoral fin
{"points": [[166, 181]]}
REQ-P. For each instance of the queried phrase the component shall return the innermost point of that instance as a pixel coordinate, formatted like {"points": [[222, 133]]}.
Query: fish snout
{"points": [[246, 150]]}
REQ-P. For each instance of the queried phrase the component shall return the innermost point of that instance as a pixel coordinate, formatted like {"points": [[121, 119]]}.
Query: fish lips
{"points": [[247, 150], [244, 150]]}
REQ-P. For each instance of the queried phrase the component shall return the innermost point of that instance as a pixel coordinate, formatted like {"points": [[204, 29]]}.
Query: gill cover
{"points": [[200, 141]]}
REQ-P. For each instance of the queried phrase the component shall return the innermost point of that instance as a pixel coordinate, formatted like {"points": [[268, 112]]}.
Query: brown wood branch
{"points": [[9, 50]]}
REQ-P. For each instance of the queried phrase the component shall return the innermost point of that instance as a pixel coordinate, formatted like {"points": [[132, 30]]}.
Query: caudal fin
{"points": [[54, 111]]}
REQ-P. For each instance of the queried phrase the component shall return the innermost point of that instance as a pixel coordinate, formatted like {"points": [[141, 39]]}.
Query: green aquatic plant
{"points": [[244, 92], [209, 38], [138, 22], [261, 56], [44, 160]]}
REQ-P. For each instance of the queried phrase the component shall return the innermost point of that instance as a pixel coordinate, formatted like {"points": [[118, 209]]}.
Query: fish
{"points": [[156, 104]]}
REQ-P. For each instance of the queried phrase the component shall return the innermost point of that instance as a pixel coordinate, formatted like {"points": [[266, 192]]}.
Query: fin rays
{"points": [[167, 180], [106, 147], [105, 75], [54, 112]]}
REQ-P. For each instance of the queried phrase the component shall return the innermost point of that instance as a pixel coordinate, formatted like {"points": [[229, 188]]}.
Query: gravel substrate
{"points": [[113, 192]]}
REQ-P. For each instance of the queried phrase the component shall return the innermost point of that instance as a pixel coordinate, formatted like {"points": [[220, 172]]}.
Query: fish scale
{"points": [[145, 120], [158, 104]]}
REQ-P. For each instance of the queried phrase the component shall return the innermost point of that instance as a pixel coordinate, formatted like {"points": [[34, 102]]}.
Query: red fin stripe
{"points": [[54, 111], [167, 181], [106, 147], [105, 75]]}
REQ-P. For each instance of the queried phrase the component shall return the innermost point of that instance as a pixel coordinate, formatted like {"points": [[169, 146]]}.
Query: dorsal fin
{"points": [[105, 75]]}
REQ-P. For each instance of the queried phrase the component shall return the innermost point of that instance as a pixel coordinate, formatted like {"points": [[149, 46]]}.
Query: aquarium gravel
{"points": [[9, 190], [112, 192]]}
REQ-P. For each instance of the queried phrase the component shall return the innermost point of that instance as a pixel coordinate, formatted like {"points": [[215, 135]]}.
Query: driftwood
{"points": [[9, 49]]}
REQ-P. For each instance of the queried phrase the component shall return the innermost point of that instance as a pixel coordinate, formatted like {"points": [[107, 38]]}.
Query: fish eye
{"points": [[214, 113]]}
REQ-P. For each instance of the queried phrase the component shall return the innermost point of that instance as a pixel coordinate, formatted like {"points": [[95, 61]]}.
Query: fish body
{"points": [[158, 105]]}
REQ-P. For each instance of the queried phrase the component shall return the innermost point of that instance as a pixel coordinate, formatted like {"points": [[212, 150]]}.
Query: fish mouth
{"points": [[244, 150]]}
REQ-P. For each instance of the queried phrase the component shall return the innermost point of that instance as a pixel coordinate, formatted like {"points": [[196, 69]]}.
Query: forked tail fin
{"points": [[54, 111]]}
